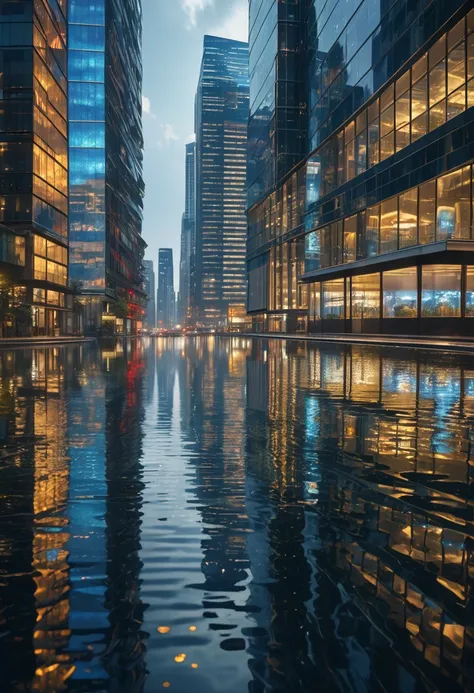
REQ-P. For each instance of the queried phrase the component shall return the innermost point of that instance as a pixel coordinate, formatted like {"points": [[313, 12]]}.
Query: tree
{"points": [[120, 308]]}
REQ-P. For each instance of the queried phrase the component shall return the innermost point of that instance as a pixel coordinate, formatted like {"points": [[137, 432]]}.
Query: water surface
{"points": [[220, 515]]}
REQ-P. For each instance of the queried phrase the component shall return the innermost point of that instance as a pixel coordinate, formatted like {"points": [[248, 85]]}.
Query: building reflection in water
{"points": [[224, 514], [67, 565]]}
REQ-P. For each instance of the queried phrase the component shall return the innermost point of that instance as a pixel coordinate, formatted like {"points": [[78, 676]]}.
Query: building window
{"points": [[400, 293], [407, 224], [426, 219], [438, 87], [333, 300], [39, 296], [389, 225], [39, 268], [454, 205], [470, 292], [366, 296], [372, 236], [315, 301], [350, 239], [441, 291]]}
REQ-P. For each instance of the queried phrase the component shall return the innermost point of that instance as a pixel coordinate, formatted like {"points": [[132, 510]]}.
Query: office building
{"points": [[188, 239], [221, 139], [166, 297], [149, 275], [371, 231], [33, 169], [105, 153]]}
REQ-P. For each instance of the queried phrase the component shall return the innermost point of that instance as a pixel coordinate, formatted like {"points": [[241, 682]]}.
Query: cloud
{"points": [[236, 25], [146, 107], [192, 7], [168, 136], [190, 138]]}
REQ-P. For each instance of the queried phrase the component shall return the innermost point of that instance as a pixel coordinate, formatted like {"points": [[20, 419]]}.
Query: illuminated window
{"points": [[408, 218], [40, 245], [350, 239], [389, 225], [441, 291], [39, 268], [427, 193], [315, 301], [400, 293], [333, 300], [454, 205], [366, 296], [470, 292], [39, 295]]}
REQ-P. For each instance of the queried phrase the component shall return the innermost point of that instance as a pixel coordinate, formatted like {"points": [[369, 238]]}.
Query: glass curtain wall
{"points": [[439, 210], [87, 142], [438, 87]]}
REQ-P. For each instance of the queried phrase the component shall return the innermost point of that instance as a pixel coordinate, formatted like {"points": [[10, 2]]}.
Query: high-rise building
{"points": [[105, 152], [149, 275], [34, 165], [166, 297], [188, 241], [371, 231], [222, 103]]}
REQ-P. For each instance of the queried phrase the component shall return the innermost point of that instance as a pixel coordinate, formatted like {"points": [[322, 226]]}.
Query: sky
{"points": [[173, 32]]}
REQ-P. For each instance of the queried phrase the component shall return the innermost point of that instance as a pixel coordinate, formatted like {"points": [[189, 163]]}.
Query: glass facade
{"points": [[187, 299], [106, 186], [222, 109], [166, 298], [384, 191], [277, 126], [438, 210], [34, 152], [86, 69]]}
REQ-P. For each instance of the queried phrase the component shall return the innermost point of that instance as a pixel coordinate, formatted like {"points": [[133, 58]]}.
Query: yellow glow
{"points": [[163, 629], [194, 665], [180, 658], [166, 684], [192, 628]]}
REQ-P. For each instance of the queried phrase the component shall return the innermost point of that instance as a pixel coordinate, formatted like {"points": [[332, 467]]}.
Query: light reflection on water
{"points": [[224, 515]]}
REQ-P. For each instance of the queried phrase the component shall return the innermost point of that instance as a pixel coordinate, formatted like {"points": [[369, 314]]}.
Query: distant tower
{"points": [[166, 297], [222, 109], [149, 277], [188, 241]]}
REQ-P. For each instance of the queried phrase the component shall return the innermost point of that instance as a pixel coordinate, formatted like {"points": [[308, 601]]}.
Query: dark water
{"points": [[231, 516]]}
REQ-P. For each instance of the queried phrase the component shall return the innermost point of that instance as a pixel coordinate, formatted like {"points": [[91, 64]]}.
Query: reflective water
{"points": [[224, 515]]}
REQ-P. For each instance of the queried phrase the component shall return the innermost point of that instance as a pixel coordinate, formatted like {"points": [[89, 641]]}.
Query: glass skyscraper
{"points": [[188, 238], [371, 231], [166, 298], [150, 290], [106, 186], [222, 103], [34, 164]]}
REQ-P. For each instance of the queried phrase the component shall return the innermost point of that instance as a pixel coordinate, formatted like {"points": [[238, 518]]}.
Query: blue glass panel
{"points": [[312, 251], [86, 101], [86, 12], [87, 135], [86, 37], [86, 66], [86, 165]]}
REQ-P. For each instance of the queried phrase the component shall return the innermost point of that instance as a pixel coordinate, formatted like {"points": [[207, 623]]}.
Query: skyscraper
{"points": [[371, 230], [188, 241], [33, 164], [149, 275], [166, 297], [222, 104], [106, 186]]}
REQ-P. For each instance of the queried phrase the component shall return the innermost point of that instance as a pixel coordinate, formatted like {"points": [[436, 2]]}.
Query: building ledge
{"points": [[396, 341], [459, 251]]}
